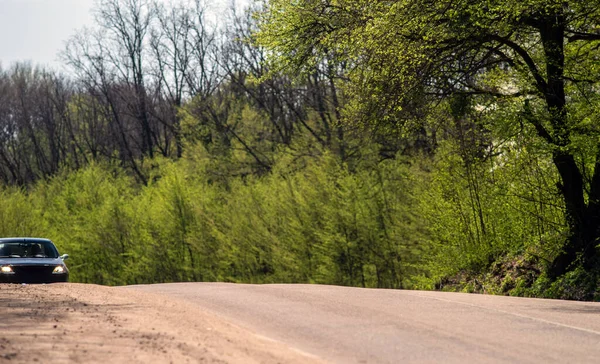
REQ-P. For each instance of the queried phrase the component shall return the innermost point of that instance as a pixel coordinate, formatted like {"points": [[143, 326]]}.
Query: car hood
{"points": [[30, 261]]}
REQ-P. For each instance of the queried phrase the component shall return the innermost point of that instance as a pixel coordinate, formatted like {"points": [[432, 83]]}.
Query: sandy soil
{"points": [[77, 323]]}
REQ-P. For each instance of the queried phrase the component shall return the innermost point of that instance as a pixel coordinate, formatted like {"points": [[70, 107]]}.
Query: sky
{"points": [[36, 30]]}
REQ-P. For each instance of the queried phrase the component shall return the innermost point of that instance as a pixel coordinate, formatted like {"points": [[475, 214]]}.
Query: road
{"points": [[352, 325], [88, 324]]}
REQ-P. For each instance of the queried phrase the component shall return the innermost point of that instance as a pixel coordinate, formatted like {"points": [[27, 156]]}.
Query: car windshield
{"points": [[28, 249]]}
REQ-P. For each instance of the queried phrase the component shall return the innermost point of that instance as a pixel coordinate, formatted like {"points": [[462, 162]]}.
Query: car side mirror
{"points": [[64, 256]]}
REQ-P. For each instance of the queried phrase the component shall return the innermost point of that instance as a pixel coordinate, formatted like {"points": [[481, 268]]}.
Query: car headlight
{"points": [[6, 270], [59, 270]]}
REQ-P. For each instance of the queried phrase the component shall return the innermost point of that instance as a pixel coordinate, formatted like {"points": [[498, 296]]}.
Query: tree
{"points": [[126, 24], [183, 47], [310, 103], [539, 53], [36, 137]]}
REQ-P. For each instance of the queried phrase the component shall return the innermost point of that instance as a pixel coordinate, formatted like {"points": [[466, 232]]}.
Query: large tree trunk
{"points": [[580, 233], [584, 220], [579, 246]]}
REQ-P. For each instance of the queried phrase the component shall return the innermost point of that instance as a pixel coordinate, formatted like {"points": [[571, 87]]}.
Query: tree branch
{"points": [[583, 36], [541, 84]]}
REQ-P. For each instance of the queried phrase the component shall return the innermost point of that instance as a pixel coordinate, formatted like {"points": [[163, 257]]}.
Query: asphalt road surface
{"points": [[353, 325]]}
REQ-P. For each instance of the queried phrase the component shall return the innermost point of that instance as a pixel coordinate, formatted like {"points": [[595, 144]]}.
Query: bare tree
{"points": [[182, 48], [126, 24], [104, 105]]}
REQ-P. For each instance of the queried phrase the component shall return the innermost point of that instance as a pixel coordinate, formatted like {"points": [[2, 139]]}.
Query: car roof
{"points": [[25, 239]]}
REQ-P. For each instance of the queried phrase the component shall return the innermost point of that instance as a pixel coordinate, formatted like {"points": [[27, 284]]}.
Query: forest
{"points": [[406, 144]]}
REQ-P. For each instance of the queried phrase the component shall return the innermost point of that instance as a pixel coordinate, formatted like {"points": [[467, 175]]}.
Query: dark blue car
{"points": [[31, 260]]}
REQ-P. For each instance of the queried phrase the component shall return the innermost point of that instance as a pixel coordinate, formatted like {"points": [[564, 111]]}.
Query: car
{"points": [[31, 260]]}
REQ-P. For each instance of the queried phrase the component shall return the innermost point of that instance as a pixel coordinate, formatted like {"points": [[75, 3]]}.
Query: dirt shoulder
{"points": [[78, 323]]}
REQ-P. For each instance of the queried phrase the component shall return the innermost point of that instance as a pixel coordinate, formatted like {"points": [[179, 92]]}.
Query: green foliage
{"points": [[511, 87], [17, 215], [479, 212], [578, 284], [88, 214], [411, 222], [402, 222], [319, 224]]}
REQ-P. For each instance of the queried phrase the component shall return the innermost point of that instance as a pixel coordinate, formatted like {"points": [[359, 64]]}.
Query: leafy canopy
{"points": [[396, 48]]}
